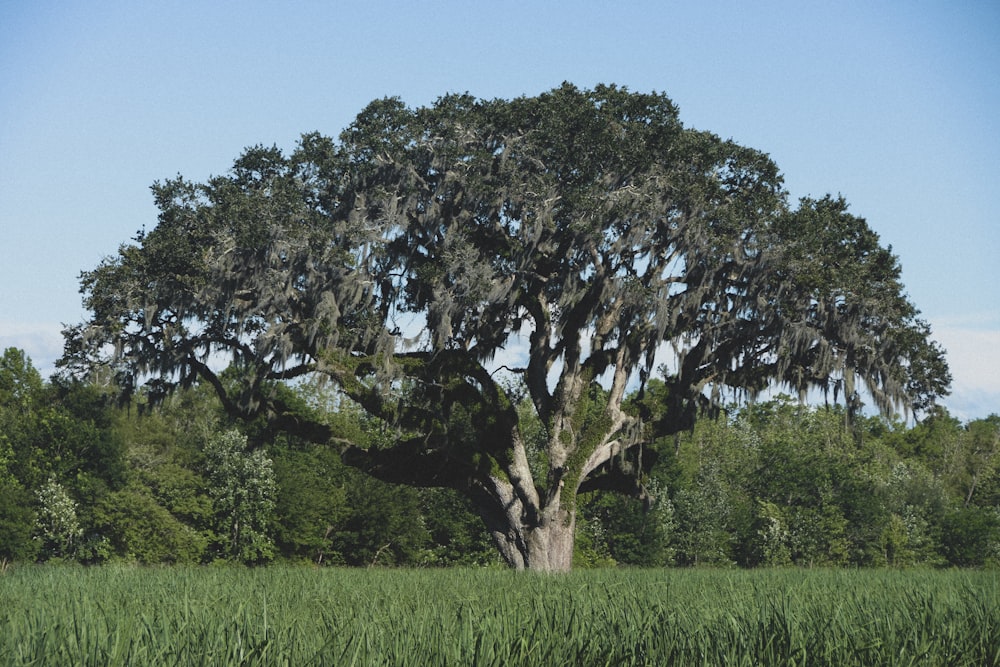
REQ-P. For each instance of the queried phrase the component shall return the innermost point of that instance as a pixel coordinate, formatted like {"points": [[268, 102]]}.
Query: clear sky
{"points": [[895, 105]]}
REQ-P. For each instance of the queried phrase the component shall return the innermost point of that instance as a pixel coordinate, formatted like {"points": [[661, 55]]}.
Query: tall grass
{"points": [[281, 616]]}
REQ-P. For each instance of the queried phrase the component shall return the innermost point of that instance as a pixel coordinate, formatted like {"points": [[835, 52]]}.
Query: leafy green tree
{"points": [[243, 489], [809, 485], [773, 542], [916, 502], [17, 523], [971, 536], [704, 511], [455, 532], [57, 443], [399, 261], [930, 440], [383, 526], [635, 531], [818, 535], [176, 485], [20, 384], [58, 527], [906, 540], [166, 467], [311, 503], [21, 395], [974, 457], [55, 429], [137, 528], [95, 447]]}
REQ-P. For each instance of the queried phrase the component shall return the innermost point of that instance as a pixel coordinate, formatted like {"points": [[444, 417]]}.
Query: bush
{"points": [[971, 537], [17, 520], [138, 529]]}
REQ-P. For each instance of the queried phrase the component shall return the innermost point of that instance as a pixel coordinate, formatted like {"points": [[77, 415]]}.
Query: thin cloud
{"points": [[41, 341], [974, 358]]}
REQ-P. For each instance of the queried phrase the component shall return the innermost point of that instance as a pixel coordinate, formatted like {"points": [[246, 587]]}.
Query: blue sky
{"points": [[895, 105]]}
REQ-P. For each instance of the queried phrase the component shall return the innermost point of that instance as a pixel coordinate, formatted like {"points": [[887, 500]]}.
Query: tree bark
{"points": [[538, 540], [550, 544], [547, 547]]}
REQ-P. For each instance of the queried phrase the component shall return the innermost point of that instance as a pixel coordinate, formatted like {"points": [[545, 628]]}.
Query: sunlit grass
{"points": [[285, 616]]}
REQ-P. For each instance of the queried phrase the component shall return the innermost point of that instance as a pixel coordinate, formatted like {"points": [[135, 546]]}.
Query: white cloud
{"points": [[974, 358], [41, 341]]}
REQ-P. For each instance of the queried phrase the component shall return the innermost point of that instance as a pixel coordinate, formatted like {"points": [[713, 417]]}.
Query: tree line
{"points": [[85, 480]]}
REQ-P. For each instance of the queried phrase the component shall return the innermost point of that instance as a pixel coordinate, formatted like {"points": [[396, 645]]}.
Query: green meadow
{"points": [[119, 615]]}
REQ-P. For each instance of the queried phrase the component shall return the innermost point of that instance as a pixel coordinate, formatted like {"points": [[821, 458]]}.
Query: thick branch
{"points": [[502, 512], [416, 462], [540, 359], [230, 406], [620, 470]]}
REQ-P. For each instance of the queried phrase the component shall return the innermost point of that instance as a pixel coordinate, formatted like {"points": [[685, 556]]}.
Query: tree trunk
{"points": [[550, 544], [545, 547]]}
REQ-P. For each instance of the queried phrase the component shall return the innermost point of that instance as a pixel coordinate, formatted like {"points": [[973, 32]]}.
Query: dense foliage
{"points": [[400, 261], [277, 616], [777, 483]]}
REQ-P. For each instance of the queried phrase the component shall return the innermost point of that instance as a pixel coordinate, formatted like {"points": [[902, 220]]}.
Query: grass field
{"points": [[285, 616]]}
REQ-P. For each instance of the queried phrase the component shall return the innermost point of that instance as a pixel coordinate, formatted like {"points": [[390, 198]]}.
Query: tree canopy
{"points": [[407, 261]]}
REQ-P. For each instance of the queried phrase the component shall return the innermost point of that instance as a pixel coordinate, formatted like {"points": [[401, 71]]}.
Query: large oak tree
{"points": [[589, 230]]}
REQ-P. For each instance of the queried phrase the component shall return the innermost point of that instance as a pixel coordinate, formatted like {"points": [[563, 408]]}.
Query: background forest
{"points": [[776, 483]]}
